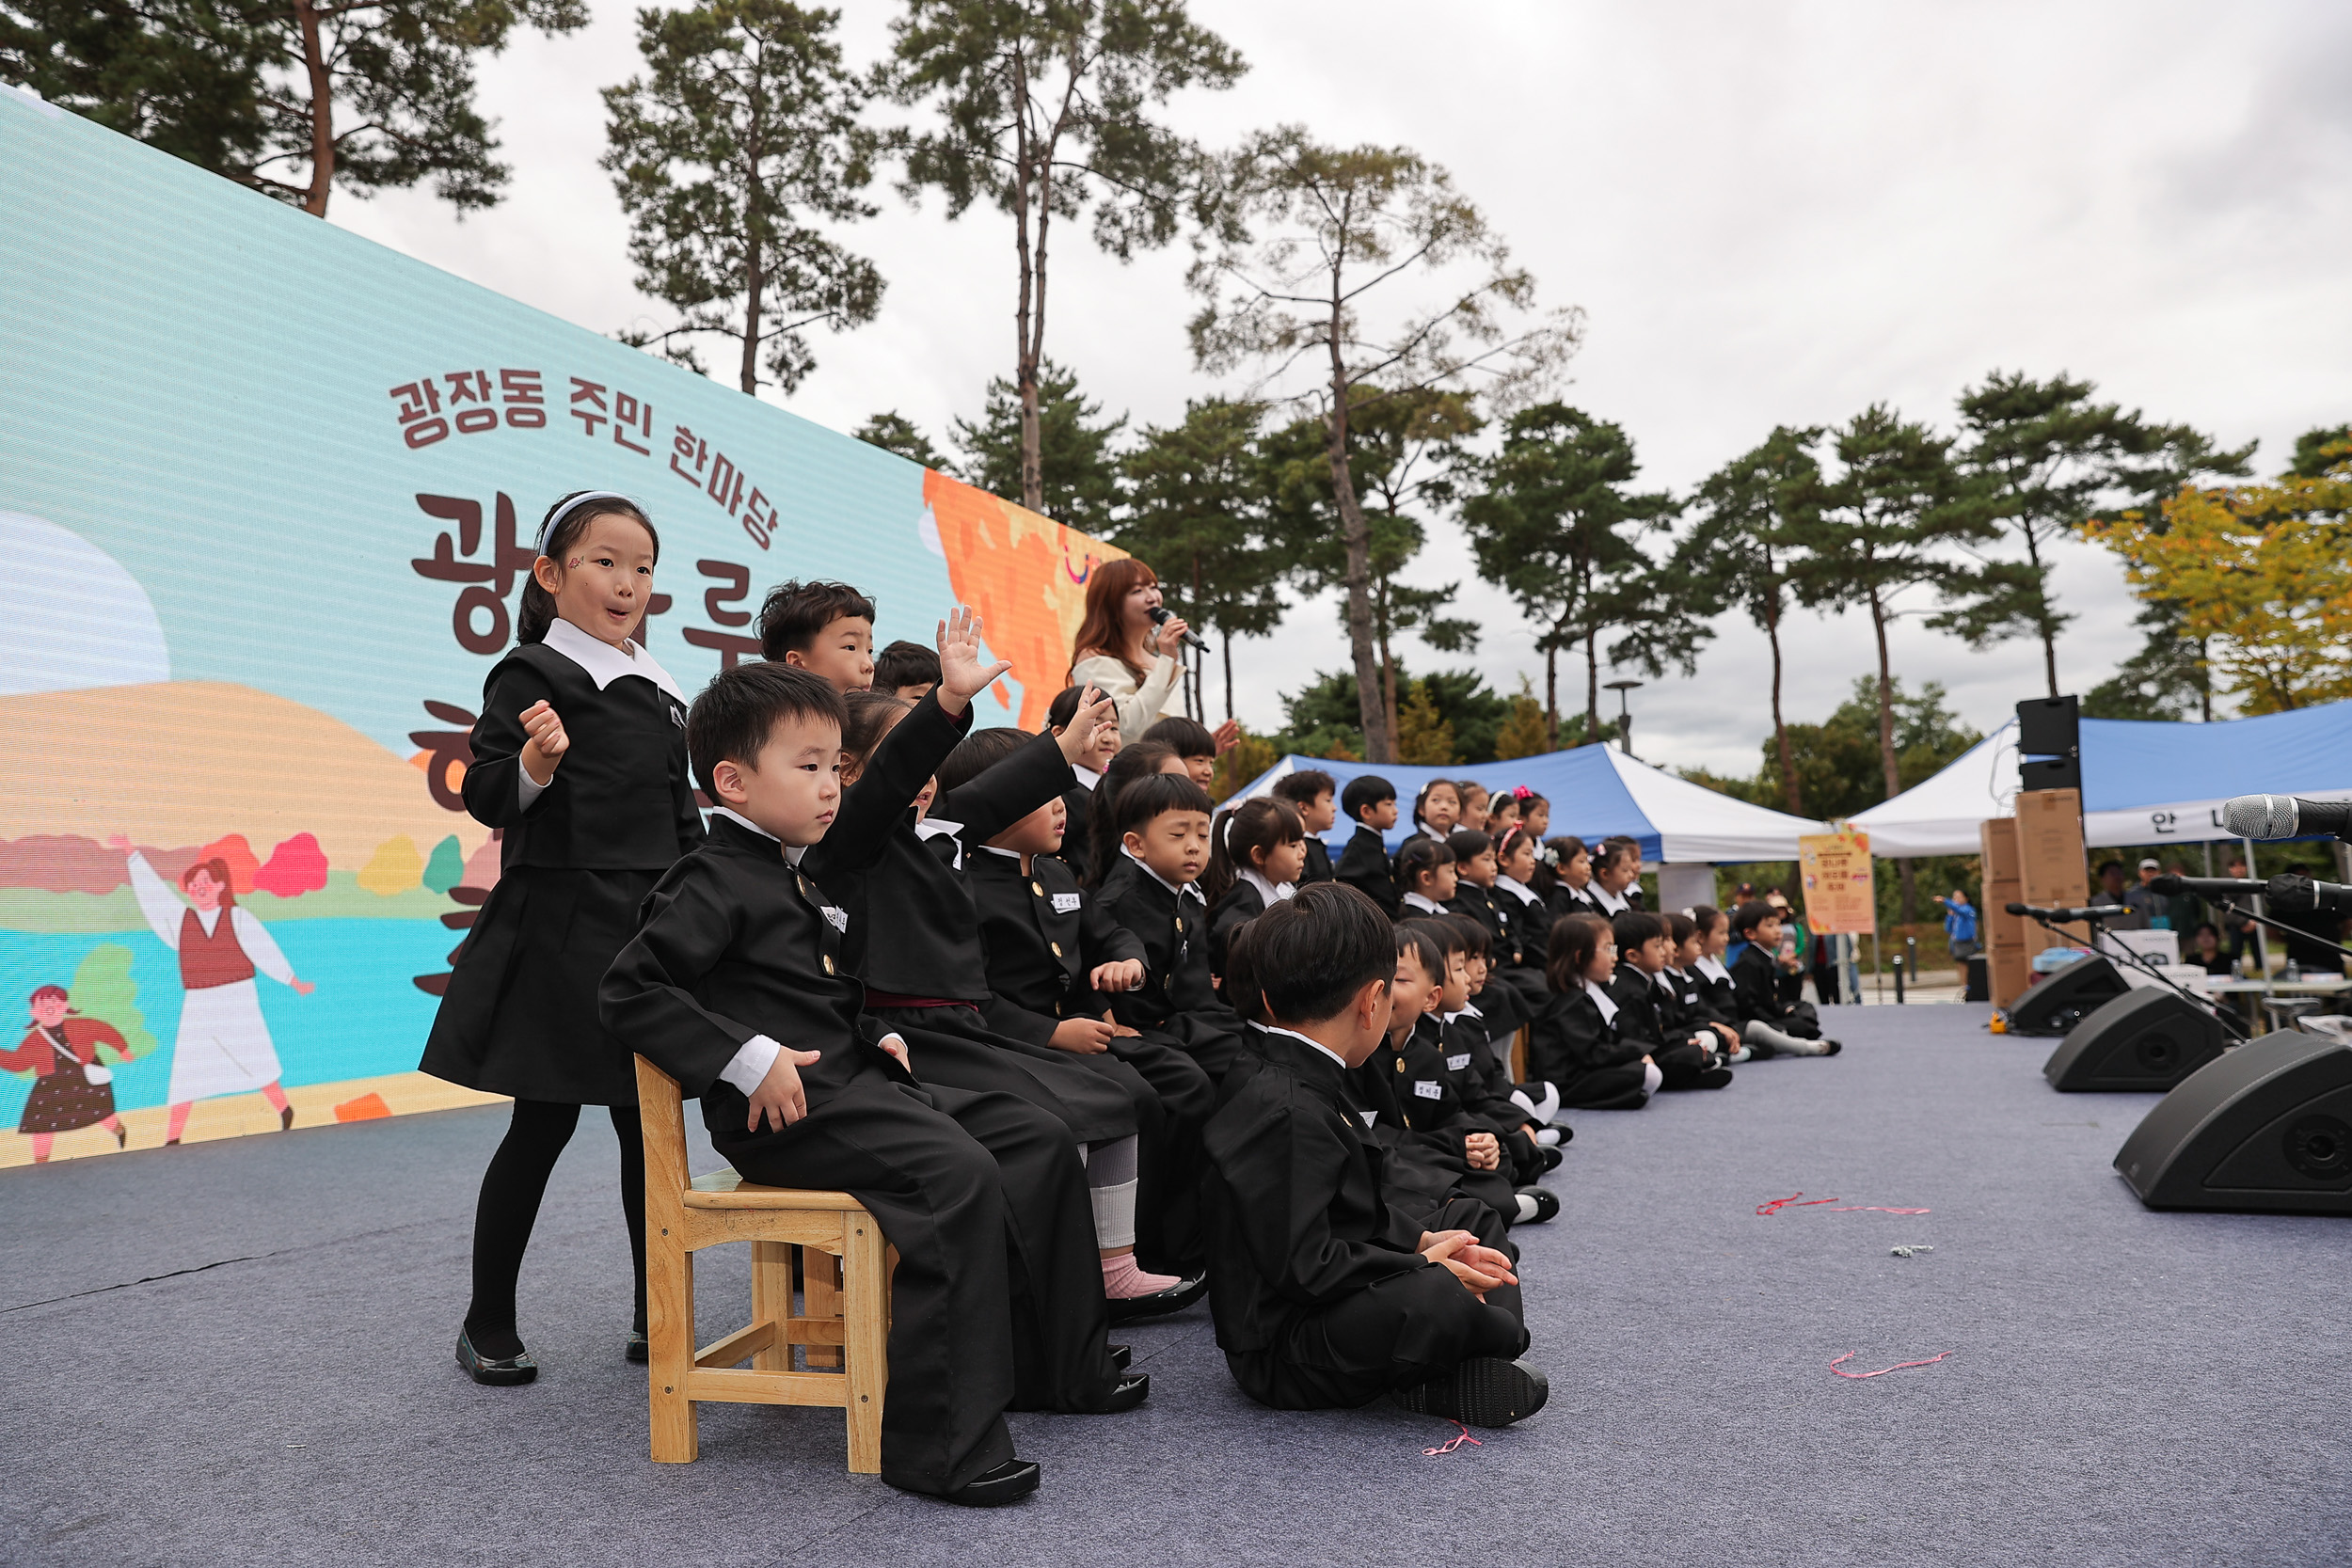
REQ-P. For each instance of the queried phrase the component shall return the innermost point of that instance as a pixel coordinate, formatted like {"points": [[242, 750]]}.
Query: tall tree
{"points": [[742, 137], [1551, 517], [1893, 518], [1077, 452], [1405, 446], [1045, 110], [1311, 232], [894, 432], [2050, 457], [1196, 511], [293, 98], [1733, 554]]}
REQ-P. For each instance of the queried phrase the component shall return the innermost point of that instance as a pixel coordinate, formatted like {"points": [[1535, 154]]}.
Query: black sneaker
{"points": [[1715, 1078], [1486, 1391]]}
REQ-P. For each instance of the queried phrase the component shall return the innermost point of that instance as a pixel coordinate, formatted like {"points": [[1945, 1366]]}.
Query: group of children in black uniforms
{"points": [[1086, 1048]]}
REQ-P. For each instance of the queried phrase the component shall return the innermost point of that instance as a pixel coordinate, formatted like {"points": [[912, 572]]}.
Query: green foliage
{"points": [[2166, 680], [740, 137], [894, 432], [1838, 760], [1195, 511], [227, 85], [102, 989], [1081, 467], [1423, 736], [1523, 732], [446, 866], [2320, 452], [1321, 717], [1251, 756]]}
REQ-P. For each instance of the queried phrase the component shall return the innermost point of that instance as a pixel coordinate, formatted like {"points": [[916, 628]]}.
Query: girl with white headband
{"points": [[579, 758]]}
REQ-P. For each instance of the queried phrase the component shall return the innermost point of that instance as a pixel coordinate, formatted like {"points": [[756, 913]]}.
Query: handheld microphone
{"points": [[2068, 917], [1160, 618], [2207, 887], [2284, 816]]}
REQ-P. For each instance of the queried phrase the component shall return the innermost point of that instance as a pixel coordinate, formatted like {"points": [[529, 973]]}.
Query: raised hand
{"points": [[546, 743], [1227, 736], [962, 675], [1170, 638], [1094, 714]]}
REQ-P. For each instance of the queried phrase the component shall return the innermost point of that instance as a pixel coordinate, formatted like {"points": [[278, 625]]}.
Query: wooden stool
{"points": [[849, 1309]]}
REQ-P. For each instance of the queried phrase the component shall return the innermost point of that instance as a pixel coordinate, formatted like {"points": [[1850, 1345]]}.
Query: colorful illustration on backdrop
{"points": [[248, 633]]}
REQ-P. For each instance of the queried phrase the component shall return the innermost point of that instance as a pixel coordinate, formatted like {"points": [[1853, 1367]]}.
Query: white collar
{"points": [[1517, 889], [1661, 981], [1273, 892], [1616, 903], [1277, 1029], [928, 828], [1421, 901], [1712, 967], [1013, 855], [1087, 777], [1607, 1004], [604, 662], [1143, 866], [792, 853]]}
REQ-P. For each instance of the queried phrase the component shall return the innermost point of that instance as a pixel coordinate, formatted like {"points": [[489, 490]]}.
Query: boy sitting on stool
{"points": [[1325, 1295]]}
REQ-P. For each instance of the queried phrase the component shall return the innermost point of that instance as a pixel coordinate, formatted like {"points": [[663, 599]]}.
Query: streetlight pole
{"points": [[1625, 715]]}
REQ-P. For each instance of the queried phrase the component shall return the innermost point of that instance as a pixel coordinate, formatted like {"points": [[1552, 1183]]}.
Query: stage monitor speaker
{"points": [[2049, 726], [2146, 1040], [2266, 1127], [2058, 1001], [2050, 773]]}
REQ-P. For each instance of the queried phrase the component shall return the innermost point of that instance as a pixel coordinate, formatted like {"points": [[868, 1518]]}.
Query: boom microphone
{"points": [[1160, 618], [2207, 887], [2288, 894], [2284, 816], [2068, 917]]}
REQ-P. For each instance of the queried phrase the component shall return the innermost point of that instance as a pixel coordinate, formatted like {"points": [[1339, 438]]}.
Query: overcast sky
{"points": [[1770, 213]]}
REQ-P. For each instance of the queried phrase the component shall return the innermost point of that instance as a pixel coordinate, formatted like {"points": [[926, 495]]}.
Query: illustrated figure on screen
{"points": [[71, 1087], [223, 1045]]}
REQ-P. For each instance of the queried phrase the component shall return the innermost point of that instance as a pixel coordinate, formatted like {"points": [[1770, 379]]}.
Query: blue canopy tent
{"points": [[2143, 782], [1594, 792]]}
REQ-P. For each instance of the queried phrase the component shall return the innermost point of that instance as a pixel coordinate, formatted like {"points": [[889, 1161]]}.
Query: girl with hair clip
{"points": [[1502, 812], [1436, 809], [1138, 761], [1256, 852], [1526, 921], [1570, 865], [1535, 811], [1575, 1045], [579, 758], [1473, 797], [1424, 877], [1119, 653]]}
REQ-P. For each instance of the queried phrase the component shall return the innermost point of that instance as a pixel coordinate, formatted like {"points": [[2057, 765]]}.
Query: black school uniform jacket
{"points": [[735, 942], [1715, 997], [1481, 1079], [1044, 935], [913, 930], [1570, 1038], [1639, 1015], [1319, 867], [1530, 927], [1297, 1214], [1242, 904], [1364, 865], [1412, 1095], [1756, 986], [1078, 803], [1482, 906], [1177, 996], [621, 798], [1566, 901]]}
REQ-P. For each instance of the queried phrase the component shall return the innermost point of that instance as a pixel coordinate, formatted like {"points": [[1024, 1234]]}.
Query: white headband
{"points": [[546, 529]]}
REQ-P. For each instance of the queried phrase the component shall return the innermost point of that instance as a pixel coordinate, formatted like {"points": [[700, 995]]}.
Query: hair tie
{"points": [[546, 528], [1520, 792]]}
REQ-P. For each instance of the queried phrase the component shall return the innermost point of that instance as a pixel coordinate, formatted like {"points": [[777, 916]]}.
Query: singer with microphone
{"points": [[1130, 648]]}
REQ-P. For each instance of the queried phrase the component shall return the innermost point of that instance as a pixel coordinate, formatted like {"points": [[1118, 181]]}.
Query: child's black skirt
{"points": [[519, 1017]]}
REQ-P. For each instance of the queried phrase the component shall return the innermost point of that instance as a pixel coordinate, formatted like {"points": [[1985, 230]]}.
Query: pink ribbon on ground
{"points": [[1882, 1370], [1776, 1205], [1453, 1443]]}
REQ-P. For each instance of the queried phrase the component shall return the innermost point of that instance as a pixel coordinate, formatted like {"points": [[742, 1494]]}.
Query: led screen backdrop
{"points": [[267, 498]]}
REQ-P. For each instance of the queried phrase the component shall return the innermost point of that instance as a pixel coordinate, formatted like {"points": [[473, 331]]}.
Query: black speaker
{"points": [[2050, 773], [2055, 1003], [1980, 980], [2049, 726], [2266, 1127], [2149, 1038]]}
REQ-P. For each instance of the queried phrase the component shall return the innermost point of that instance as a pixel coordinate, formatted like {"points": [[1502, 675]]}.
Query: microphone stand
{"points": [[2098, 925]]}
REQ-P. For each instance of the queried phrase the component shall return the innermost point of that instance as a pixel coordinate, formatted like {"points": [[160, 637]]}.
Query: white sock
{"points": [[1113, 1215], [1546, 1109], [1762, 1033], [1528, 1209], [1651, 1077], [1547, 1138]]}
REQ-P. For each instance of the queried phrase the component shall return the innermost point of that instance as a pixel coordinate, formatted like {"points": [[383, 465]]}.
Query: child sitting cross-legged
{"points": [[1325, 1294], [1575, 1045], [1694, 1001], [1766, 1016], [735, 984], [1649, 1009]]}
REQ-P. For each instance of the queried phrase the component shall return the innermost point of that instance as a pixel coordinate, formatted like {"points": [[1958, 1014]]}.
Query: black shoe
{"points": [[1127, 1393], [1552, 1158], [1546, 1205], [1487, 1392], [1833, 1047], [1159, 1304], [285, 1119], [637, 1350], [1011, 1482], [1122, 1357], [503, 1373], [122, 1133], [1714, 1078], [1758, 1050]]}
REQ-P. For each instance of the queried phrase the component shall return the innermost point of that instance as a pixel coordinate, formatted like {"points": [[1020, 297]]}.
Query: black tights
{"points": [[509, 1206]]}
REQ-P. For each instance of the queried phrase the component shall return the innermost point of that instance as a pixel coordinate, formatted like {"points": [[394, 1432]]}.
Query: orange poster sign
{"points": [[1838, 895]]}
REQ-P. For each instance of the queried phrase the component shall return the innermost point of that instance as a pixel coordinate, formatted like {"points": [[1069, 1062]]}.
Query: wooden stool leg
{"points": [[772, 1302], [670, 1333], [866, 1280], [820, 1287]]}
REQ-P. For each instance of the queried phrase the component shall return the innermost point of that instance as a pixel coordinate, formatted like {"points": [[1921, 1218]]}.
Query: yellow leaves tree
{"points": [[2263, 577], [1524, 732], [1422, 736]]}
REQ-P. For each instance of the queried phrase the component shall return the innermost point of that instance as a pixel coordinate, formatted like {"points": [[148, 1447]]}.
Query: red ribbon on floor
{"points": [[1883, 1370], [1776, 1205], [1453, 1443]]}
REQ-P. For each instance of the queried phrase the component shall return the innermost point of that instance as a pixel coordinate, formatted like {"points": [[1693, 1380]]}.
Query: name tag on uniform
{"points": [[1429, 1088], [1456, 1064], [838, 919], [1067, 903]]}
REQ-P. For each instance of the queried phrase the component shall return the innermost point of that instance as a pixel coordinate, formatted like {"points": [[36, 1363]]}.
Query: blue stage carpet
{"points": [[239, 1353]]}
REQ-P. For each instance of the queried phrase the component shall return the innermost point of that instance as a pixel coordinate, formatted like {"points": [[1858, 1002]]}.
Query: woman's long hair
{"points": [[1104, 628]]}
